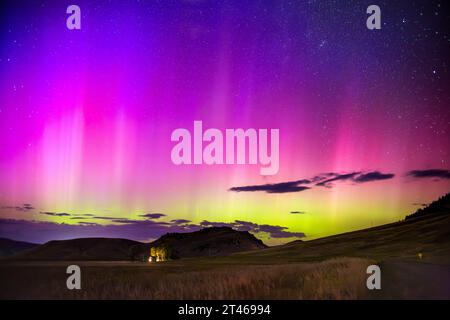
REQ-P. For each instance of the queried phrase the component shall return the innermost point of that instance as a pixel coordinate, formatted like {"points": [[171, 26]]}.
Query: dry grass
{"points": [[342, 278]]}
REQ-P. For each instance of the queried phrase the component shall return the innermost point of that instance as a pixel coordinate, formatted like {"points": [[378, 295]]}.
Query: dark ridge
{"points": [[214, 241], [9, 247], [435, 208], [89, 249]]}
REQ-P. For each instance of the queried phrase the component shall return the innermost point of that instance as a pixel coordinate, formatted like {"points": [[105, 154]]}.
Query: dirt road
{"points": [[413, 280]]}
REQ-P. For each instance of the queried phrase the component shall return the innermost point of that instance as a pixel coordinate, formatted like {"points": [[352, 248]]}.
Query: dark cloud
{"points": [[55, 214], [140, 230], [336, 177], [322, 176], [373, 176], [180, 221], [207, 224], [281, 234], [107, 218], [153, 215], [126, 220], [283, 187], [321, 180], [43, 231], [27, 206], [357, 177], [270, 229], [430, 173], [273, 231], [122, 220], [84, 223], [23, 207], [142, 222]]}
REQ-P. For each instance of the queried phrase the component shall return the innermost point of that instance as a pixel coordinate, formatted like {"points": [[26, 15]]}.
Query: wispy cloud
{"points": [[272, 230], [153, 215], [85, 223], [321, 180], [283, 187], [140, 230], [43, 231], [337, 177], [430, 173], [23, 207], [180, 221], [373, 176], [107, 218], [55, 214]]}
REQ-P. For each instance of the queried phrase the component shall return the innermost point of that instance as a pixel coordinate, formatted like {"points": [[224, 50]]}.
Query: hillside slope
{"points": [[216, 241], [425, 236], [107, 249], [9, 247], [206, 242], [439, 207]]}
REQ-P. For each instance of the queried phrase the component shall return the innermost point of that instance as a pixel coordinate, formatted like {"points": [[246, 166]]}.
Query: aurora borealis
{"points": [[86, 115]]}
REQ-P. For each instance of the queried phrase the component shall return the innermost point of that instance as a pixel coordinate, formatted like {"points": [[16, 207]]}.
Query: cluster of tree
{"points": [[438, 207], [160, 253]]}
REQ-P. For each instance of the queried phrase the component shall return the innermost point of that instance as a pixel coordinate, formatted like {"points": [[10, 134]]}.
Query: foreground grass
{"points": [[340, 278]]}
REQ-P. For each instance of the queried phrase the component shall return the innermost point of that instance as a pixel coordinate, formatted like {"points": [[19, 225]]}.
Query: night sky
{"points": [[86, 115]]}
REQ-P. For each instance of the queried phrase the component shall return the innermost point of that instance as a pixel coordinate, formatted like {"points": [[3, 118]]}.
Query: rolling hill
{"points": [[424, 234], [216, 241], [9, 247], [89, 249], [439, 207]]}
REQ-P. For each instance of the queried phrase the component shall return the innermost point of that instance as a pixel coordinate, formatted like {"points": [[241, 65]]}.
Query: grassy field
{"points": [[337, 278], [414, 257], [342, 278]]}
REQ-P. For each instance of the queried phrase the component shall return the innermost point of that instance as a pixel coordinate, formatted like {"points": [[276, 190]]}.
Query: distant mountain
{"points": [[9, 247], [425, 231], [438, 207], [107, 249], [218, 241]]}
